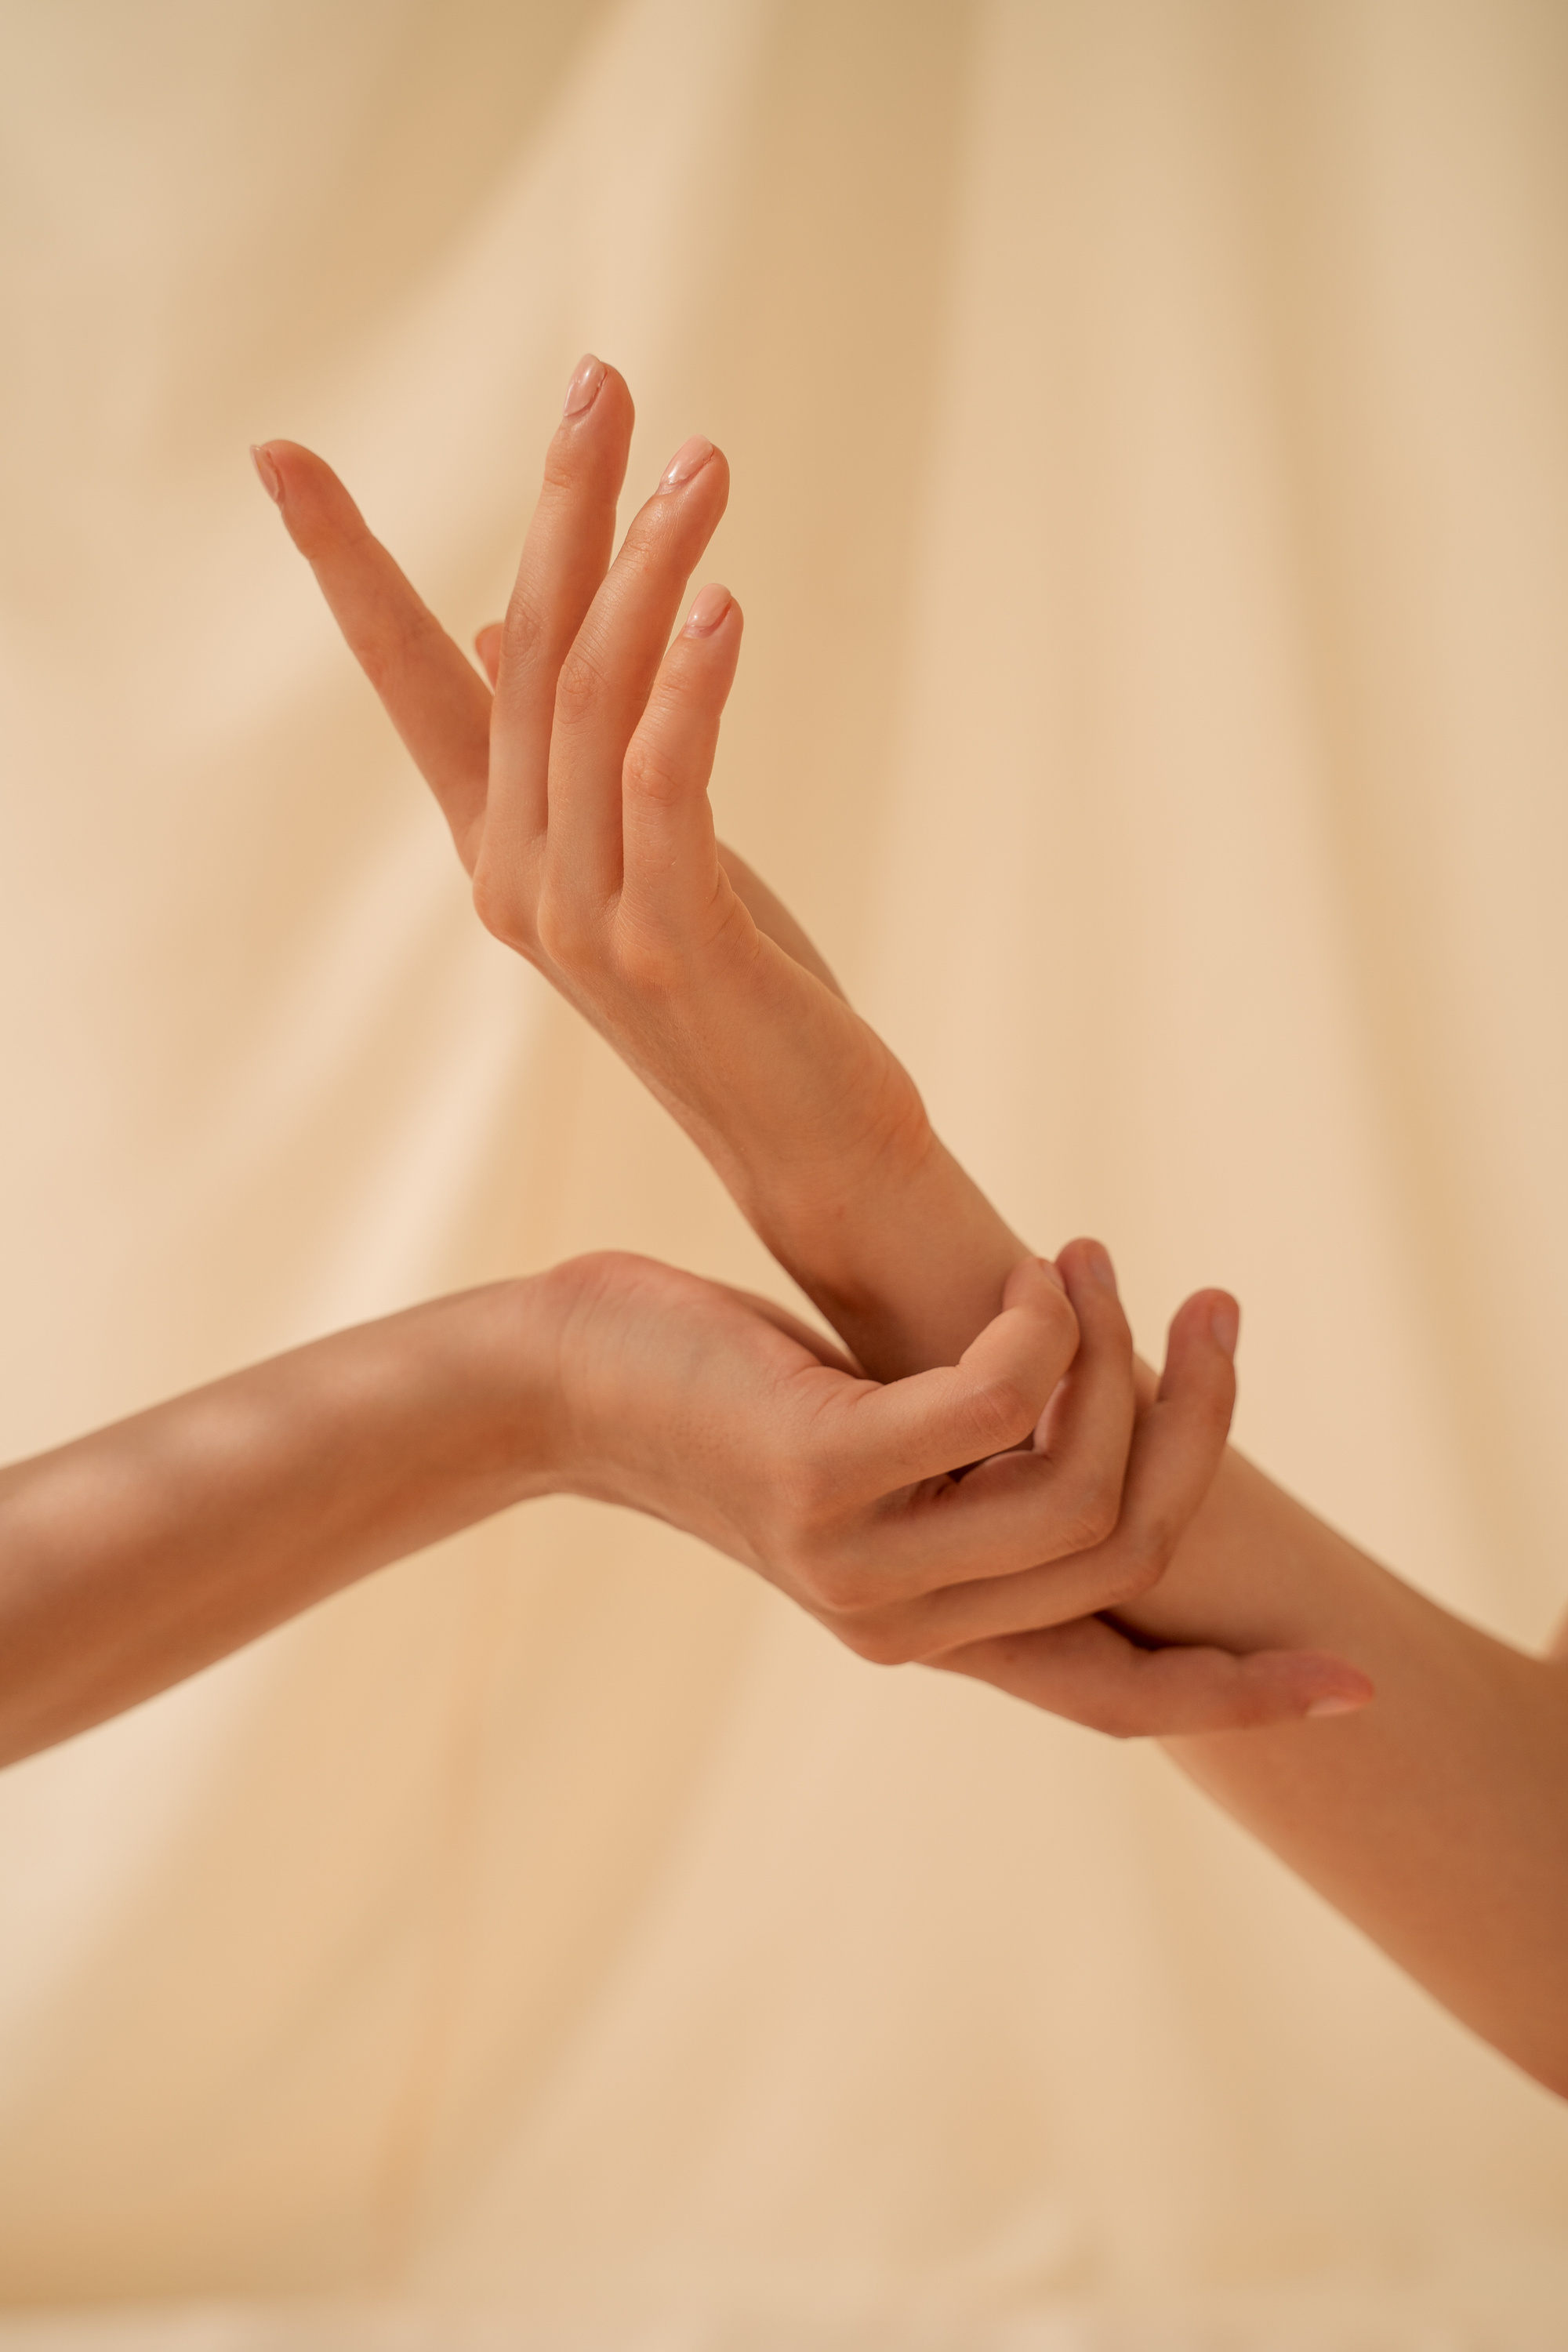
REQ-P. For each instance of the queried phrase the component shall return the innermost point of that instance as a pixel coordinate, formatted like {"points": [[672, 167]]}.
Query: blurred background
{"points": [[1150, 482]]}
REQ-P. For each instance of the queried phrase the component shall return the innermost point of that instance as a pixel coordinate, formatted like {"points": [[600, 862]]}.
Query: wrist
{"points": [[495, 1387], [907, 1263], [583, 1373], [625, 1338], [1256, 1571]]}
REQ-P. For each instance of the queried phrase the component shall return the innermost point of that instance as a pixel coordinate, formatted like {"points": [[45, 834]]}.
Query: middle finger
{"points": [[607, 677], [564, 558]]}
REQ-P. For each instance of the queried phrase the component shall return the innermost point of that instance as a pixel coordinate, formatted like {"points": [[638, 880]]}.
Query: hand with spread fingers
{"points": [[1120, 1565], [577, 796]]}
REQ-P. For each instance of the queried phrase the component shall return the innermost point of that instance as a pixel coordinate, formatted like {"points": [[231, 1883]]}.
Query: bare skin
{"points": [[138, 1555], [1438, 1818]]}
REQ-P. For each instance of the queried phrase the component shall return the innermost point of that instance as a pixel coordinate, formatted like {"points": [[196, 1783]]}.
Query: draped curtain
{"points": [[1150, 498]]}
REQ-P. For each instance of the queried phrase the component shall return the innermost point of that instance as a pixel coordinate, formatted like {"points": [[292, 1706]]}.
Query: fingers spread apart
{"points": [[607, 677], [565, 557]]}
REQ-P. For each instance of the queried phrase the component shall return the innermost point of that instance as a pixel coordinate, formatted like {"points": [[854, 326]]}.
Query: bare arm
{"points": [[133, 1557], [1437, 1818], [138, 1555]]}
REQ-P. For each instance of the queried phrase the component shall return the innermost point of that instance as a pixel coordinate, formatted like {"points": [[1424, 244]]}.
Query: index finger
{"points": [[983, 1589], [933, 1423]]}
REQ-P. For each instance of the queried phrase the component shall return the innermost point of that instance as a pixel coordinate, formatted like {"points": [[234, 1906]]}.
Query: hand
{"points": [[911, 1519], [724, 1414], [578, 802]]}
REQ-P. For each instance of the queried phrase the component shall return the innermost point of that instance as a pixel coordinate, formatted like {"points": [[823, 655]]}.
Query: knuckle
{"points": [[1142, 1562], [1093, 1510], [489, 899], [563, 470], [837, 1585], [1159, 1530], [648, 965], [579, 690], [812, 1485], [591, 1273], [846, 1578], [1001, 1412], [1099, 1518], [495, 903], [648, 774], [1139, 1575], [523, 631], [565, 930], [1057, 1313], [879, 1641]]}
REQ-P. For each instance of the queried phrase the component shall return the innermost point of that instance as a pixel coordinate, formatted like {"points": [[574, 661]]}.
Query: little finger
{"points": [[1092, 1675], [675, 894]]}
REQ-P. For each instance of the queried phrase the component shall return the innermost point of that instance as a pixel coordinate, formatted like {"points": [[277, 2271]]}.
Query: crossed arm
{"points": [[137, 1555], [1106, 1559], [1438, 1818]]}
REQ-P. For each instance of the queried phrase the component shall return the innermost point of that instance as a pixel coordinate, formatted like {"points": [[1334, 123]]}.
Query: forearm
{"points": [[1438, 1818], [608, 881], [133, 1557], [906, 1272], [907, 1259]]}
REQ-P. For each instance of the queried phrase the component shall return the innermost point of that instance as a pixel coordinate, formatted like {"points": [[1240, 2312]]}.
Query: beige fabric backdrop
{"points": [[1151, 492]]}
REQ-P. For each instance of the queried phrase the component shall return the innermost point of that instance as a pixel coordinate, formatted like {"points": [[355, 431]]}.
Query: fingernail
{"points": [[1047, 1267], [709, 607], [686, 464], [1100, 1265], [1332, 1705], [583, 389], [1224, 1322], [271, 480]]}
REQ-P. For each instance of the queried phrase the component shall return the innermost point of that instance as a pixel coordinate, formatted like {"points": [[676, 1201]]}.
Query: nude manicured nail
{"points": [[1047, 1267], [709, 607], [583, 389], [686, 464], [270, 478], [1331, 1705], [1224, 1322]]}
